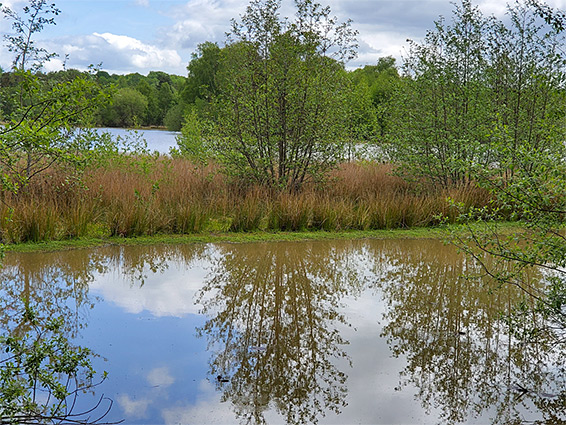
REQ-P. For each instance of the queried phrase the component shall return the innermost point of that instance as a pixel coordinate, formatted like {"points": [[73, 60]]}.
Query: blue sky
{"points": [[144, 35]]}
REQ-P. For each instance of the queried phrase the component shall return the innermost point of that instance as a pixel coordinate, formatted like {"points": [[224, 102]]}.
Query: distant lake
{"points": [[157, 140]]}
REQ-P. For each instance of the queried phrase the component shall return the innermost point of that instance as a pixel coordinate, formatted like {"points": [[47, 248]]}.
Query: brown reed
{"points": [[176, 196]]}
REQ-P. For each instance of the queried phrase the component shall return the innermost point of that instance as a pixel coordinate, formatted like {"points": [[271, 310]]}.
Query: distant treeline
{"points": [[162, 100], [136, 100]]}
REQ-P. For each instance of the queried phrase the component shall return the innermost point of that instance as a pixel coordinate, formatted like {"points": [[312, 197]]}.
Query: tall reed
{"points": [[176, 196]]}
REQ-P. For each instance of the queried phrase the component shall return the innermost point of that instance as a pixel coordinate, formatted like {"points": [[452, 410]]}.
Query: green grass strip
{"points": [[244, 237]]}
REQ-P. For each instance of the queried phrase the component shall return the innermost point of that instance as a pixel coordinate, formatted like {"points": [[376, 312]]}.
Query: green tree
{"points": [[173, 119], [201, 81], [474, 85], [42, 374], [361, 124], [127, 109], [382, 82], [282, 94], [36, 15], [43, 127], [441, 117], [528, 178], [191, 143]]}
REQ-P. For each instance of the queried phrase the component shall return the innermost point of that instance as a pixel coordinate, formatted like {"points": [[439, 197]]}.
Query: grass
{"points": [[249, 237], [176, 197], [228, 237]]}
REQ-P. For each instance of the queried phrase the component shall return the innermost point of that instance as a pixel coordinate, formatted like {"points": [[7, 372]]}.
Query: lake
{"points": [[334, 332], [157, 140]]}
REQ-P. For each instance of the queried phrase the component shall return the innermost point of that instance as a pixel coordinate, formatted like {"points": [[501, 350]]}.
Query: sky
{"points": [[127, 36]]}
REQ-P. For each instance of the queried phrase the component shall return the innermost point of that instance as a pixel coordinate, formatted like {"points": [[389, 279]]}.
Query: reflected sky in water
{"points": [[334, 332]]}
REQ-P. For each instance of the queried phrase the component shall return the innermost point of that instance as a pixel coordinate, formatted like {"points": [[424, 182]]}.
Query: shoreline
{"points": [[237, 237]]}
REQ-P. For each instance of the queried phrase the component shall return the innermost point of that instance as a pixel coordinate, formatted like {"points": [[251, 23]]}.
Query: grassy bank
{"points": [[229, 237], [139, 197]]}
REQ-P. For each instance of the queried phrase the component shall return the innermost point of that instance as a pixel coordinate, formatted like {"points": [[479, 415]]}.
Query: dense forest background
{"points": [[162, 100]]}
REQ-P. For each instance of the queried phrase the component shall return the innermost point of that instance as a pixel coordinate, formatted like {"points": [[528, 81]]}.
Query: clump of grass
{"points": [[189, 218], [334, 215], [78, 218], [35, 222], [249, 214], [177, 196], [290, 212]]}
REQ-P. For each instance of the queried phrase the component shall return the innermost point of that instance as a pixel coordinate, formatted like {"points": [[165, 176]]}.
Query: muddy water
{"points": [[364, 332]]}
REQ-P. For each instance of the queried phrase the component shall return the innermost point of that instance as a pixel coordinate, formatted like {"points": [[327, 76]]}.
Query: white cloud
{"points": [[133, 408], [12, 4], [208, 401], [141, 55], [117, 53], [160, 377], [169, 295], [198, 21]]}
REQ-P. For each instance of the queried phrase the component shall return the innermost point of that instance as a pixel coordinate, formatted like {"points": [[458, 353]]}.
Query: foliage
{"points": [[43, 130], [475, 87], [191, 143], [535, 193], [201, 81], [39, 13], [126, 110], [526, 177], [279, 113], [380, 82], [42, 375], [44, 117]]}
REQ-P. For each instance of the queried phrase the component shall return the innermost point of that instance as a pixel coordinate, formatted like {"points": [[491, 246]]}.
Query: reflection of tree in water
{"points": [[459, 354], [273, 310], [57, 283], [138, 263]]}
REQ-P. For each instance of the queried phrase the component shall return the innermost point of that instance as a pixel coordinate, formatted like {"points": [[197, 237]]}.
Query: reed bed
{"points": [[175, 196]]}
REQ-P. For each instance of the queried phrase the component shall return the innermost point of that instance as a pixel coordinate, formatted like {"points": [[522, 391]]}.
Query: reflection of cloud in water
{"points": [[134, 409], [207, 409], [372, 398], [160, 377], [169, 294]]}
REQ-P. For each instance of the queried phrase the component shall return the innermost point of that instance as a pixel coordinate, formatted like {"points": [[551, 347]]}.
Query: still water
{"points": [[157, 140], [334, 332]]}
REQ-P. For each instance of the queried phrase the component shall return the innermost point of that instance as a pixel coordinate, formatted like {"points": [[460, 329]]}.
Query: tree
{"points": [[39, 13], [382, 81], [441, 112], [279, 112], [42, 128], [528, 180], [267, 307], [201, 81], [127, 109], [475, 85], [42, 374]]}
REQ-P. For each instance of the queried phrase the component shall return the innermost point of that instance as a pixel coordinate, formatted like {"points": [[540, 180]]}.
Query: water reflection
{"points": [[375, 331], [58, 283], [459, 354], [55, 286], [273, 310]]}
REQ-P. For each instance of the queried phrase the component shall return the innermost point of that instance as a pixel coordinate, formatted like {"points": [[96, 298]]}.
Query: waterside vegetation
{"points": [[174, 196]]}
